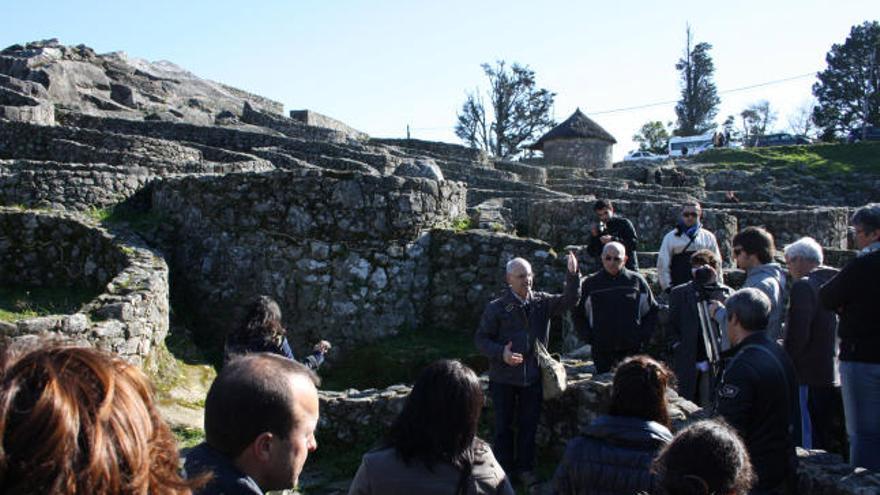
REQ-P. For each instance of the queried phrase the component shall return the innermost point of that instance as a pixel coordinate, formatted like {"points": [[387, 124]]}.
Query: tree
{"points": [[729, 128], [757, 118], [652, 137], [847, 90], [521, 111], [699, 101], [800, 121]]}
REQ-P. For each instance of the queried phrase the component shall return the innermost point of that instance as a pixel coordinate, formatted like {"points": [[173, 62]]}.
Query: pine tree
{"points": [[699, 101]]}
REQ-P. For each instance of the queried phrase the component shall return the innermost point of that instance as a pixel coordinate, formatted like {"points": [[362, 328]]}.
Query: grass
{"points": [[461, 224], [187, 437], [820, 160], [399, 359], [136, 220], [18, 303]]}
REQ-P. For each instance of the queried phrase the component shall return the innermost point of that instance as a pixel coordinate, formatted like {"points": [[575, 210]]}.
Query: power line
{"points": [[661, 103], [734, 90]]}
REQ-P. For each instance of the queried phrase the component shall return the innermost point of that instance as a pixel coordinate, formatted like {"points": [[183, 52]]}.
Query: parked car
{"points": [[781, 139], [642, 155], [872, 133]]}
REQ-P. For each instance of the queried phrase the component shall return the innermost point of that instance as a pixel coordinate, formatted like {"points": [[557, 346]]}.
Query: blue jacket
{"points": [[611, 456], [227, 480], [282, 348], [506, 319]]}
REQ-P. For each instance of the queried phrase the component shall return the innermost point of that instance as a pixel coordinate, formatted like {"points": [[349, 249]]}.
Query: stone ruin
{"points": [[357, 238]]}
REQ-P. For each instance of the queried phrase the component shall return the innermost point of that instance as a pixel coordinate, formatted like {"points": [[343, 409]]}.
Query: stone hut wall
{"points": [[585, 153], [345, 255], [316, 119], [129, 314], [468, 268]]}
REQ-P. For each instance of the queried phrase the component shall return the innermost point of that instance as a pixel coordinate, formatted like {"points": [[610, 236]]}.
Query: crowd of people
{"points": [[77, 420]]}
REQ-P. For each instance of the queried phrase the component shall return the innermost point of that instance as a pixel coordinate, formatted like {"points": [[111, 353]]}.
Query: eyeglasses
{"points": [[617, 259], [689, 214]]}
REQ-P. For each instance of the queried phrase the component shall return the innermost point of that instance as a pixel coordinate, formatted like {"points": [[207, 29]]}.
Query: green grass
{"points": [[187, 437], [18, 303], [461, 224], [819, 159], [136, 220], [399, 359]]}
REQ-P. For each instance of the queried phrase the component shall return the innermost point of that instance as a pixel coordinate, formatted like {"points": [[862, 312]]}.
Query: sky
{"points": [[385, 64]]}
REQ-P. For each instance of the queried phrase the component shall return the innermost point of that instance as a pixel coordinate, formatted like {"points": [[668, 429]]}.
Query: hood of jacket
{"points": [[628, 432], [822, 274], [768, 270]]}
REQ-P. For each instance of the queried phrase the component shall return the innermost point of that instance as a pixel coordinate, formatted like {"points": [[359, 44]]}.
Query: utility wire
{"points": [[662, 103]]}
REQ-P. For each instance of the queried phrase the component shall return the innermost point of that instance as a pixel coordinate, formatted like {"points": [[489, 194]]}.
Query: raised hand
{"points": [[572, 263], [510, 357]]}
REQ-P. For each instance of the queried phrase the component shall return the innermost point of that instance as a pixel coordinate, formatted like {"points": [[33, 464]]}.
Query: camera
{"points": [[703, 275]]}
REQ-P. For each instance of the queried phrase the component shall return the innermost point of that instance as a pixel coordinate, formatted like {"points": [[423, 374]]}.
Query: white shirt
{"points": [[674, 244]]}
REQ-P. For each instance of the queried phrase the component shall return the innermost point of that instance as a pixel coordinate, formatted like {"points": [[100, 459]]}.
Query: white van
{"points": [[694, 144]]}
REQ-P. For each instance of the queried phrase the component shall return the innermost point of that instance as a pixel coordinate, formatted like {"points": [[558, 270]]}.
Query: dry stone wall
{"points": [[346, 255], [129, 314], [585, 153]]}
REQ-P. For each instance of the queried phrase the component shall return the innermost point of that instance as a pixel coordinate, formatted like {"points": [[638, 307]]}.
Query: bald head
{"points": [[615, 247], [520, 277], [613, 257]]}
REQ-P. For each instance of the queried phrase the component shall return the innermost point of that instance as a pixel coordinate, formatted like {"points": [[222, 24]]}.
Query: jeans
{"points": [[861, 405], [819, 409], [517, 410]]}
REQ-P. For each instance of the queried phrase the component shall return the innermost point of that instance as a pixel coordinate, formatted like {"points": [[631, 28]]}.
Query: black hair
{"points": [[438, 422], [602, 203], [705, 257], [707, 457]]}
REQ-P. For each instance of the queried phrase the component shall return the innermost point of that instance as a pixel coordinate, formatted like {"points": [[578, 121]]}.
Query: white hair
{"points": [[805, 248], [620, 248], [512, 264]]}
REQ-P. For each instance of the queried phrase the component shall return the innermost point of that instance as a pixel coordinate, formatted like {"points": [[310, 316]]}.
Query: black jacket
{"points": [[227, 480], [811, 332], [507, 320], [685, 334], [616, 313], [611, 456], [758, 397], [854, 293], [621, 230]]}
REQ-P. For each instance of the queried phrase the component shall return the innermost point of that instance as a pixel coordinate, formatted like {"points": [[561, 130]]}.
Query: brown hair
{"points": [[704, 257], [757, 241], [639, 390], [257, 387], [75, 420]]}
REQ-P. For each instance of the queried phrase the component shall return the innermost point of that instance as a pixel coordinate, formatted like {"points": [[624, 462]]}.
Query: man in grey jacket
{"points": [[753, 250], [509, 327], [811, 342]]}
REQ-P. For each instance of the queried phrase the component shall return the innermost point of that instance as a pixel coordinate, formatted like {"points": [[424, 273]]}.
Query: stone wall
{"points": [[18, 107], [129, 314], [468, 268], [585, 153], [359, 417], [345, 255], [439, 150], [316, 119]]}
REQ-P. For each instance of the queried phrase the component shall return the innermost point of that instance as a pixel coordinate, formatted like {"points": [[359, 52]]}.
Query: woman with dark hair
{"points": [[707, 457], [432, 447], [613, 455], [262, 331], [78, 421]]}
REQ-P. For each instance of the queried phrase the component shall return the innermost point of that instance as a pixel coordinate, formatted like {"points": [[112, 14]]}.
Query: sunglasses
{"points": [[689, 214], [613, 258]]}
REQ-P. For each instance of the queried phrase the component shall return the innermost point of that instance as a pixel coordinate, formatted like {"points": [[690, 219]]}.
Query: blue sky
{"points": [[381, 65]]}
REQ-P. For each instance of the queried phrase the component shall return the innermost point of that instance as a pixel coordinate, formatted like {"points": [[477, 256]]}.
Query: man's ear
{"points": [[261, 447]]}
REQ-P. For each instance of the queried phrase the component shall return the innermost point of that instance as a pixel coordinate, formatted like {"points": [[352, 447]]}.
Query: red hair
{"points": [[76, 420]]}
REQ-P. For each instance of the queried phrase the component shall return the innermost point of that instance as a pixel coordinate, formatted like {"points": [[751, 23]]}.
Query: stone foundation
{"points": [[129, 316]]}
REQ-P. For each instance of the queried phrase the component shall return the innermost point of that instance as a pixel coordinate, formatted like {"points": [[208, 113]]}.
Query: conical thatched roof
{"points": [[576, 126]]}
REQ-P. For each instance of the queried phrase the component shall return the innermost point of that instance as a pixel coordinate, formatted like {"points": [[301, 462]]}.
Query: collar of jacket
{"points": [[623, 430], [755, 338], [870, 248], [510, 298]]}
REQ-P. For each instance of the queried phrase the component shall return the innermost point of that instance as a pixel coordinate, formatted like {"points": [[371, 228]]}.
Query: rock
{"points": [[424, 168]]}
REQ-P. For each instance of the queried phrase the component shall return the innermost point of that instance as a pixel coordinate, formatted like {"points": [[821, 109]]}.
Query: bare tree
{"points": [[757, 119], [800, 121]]}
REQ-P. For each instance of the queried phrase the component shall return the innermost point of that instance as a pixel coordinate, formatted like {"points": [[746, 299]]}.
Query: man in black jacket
{"points": [[693, 369], [854, 294], [758, 392], [612, 228], [811, 341], [617, 312], [509, 327]]}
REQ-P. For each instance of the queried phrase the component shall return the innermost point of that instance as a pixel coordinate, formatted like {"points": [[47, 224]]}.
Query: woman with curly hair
{"points": [[262, 331], [78, 421], [707, 457]]}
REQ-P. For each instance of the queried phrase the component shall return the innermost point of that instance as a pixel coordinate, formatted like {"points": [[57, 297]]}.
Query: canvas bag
{"points": [[553, 375]]}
